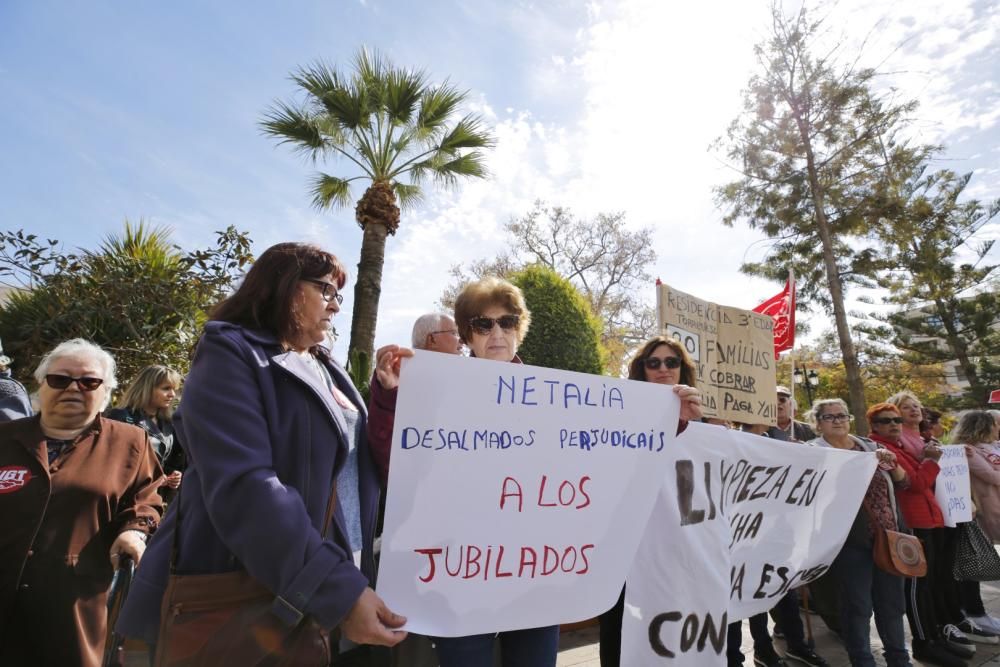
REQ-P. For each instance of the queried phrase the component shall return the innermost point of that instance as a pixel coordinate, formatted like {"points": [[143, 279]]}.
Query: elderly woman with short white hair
{"points": [[77, 492]]}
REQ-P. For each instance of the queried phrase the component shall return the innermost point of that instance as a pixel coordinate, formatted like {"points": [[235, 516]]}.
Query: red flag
{"points": [[995, 396], [781, 307]]}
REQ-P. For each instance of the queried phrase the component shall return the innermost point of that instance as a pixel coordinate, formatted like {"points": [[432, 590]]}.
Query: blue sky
{"points": [[149, 110]]}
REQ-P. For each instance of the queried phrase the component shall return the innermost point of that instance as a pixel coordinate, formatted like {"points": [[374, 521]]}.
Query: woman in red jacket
{"points": [[936, 639]]}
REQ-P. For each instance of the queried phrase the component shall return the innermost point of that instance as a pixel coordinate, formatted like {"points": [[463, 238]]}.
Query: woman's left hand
{"points": [[129, 543], [173, 480], [690, 402]]}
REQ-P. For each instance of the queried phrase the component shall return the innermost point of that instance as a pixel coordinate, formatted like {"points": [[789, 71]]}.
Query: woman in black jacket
{"points": [[149, 404]]}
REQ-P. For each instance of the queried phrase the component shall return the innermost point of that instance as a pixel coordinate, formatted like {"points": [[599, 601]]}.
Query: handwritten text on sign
{"points": [[733, 353], [740, 521], [952, 489], [517, 494]]}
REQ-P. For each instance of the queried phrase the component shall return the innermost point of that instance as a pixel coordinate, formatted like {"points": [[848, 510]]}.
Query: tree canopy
{"points": [[564, 333], [137, 295]]}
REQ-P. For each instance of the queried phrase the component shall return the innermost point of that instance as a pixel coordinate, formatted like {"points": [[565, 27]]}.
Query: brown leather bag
{"points": [[899, 553], [208, 620]]}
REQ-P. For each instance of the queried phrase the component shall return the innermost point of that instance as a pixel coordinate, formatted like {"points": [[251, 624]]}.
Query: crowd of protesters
{"points": [[273, 468]]}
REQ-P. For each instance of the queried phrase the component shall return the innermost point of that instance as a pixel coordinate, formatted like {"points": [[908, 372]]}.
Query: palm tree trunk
{"points": [[368, 289]]}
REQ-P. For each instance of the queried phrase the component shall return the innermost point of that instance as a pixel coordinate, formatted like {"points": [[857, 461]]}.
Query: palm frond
{"points": [[467, 133], [436, 107], [295, 126], [403, 91], [331, 191], [471, 164], [317, 79], [408, 195]]}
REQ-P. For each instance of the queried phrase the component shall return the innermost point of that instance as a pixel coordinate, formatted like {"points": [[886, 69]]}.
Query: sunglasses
{"points": [[63, 381], [887, 420], [328, 292], [652, 363], [484, 325], [836, 418]]}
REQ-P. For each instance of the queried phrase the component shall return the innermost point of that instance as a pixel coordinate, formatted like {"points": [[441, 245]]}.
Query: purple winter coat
{"points": [[264, 439]]}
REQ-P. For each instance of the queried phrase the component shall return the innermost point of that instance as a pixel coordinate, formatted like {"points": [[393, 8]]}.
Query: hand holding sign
{"points": [[387, 361]]}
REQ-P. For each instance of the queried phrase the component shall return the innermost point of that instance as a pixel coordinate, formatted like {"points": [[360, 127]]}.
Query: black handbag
{"points": [[975, 557]]}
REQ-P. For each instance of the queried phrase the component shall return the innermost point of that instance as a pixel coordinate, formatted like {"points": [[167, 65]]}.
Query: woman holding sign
{"points": [[977, 430], [662, 360], [492, 320], [863, 587], [932, 604], [279, 503]]}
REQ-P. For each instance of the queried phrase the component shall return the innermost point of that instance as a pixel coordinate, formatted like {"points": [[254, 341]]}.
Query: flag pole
{"points": [[791, 355]]}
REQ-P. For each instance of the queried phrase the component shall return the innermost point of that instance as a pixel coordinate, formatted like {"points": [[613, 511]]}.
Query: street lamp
{"points": [[807, 378]]}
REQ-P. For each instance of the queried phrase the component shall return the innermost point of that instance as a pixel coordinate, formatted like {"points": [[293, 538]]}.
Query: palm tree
{"points": [[395, 130]]}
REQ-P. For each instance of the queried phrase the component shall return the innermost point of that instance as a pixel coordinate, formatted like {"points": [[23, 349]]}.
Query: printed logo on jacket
{"points": [[13, 478]]}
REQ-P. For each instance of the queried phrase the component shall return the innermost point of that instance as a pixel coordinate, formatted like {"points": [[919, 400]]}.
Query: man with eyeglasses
{"points": [[436, 332], [788, 428]]}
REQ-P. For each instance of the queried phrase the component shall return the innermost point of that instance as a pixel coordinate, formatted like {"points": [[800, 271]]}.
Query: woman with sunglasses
{"points": [[77, 492], [492, 320], [862, 587], [661, 360], [275, 435], [936, 638], [149, 404]]}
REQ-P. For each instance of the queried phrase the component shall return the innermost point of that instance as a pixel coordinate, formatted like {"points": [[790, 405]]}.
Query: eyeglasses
{"points": [[63, 381], [329, 291], [887, 420], [484, 325], [652, 363], [453, 332], [836, 418]]}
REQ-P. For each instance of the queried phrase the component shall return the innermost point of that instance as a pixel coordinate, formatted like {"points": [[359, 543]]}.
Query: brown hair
{"points": [[266, 297], [637, 367], [478, 296], [880, 407]]}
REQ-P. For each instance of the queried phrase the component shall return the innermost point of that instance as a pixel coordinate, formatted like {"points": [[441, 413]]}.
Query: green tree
{"points": [[934, 270], [142, 298], [607, 262], [395, 130], [564, 333], [819, 154]]}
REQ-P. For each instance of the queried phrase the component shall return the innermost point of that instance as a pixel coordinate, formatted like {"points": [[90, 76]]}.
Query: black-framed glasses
{"points": [[652, 363], [836, 418], [887, 420], [329, 290], [484, 325], [57, 381]]}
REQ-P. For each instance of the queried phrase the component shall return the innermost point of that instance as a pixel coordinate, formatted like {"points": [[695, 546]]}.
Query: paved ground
{"points": [[579, 648]]}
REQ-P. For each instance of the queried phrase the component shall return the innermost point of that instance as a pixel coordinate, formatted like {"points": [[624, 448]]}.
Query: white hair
{"points": [[426, 325], [78, 347], [820, 405]]}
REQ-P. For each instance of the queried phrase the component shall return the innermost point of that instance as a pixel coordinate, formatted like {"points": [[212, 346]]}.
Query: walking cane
{"points": [[114, 643]]}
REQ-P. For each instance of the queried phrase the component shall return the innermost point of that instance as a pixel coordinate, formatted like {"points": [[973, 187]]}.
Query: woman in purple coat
{"points": [[269, 421]]}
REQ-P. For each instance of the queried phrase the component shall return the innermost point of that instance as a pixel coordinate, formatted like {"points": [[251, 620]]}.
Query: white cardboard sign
{"points": [[517, 494], [952, 487], [741, 519]]}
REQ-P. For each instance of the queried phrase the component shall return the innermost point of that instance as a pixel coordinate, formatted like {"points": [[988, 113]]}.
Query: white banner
{"points": [[740, 520], [517, 494], [952, 488]]}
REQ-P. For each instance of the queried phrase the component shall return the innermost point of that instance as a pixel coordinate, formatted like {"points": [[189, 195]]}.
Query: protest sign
{"points": [[517, 494], [952, 488], [733, 353], [740, 521]]}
